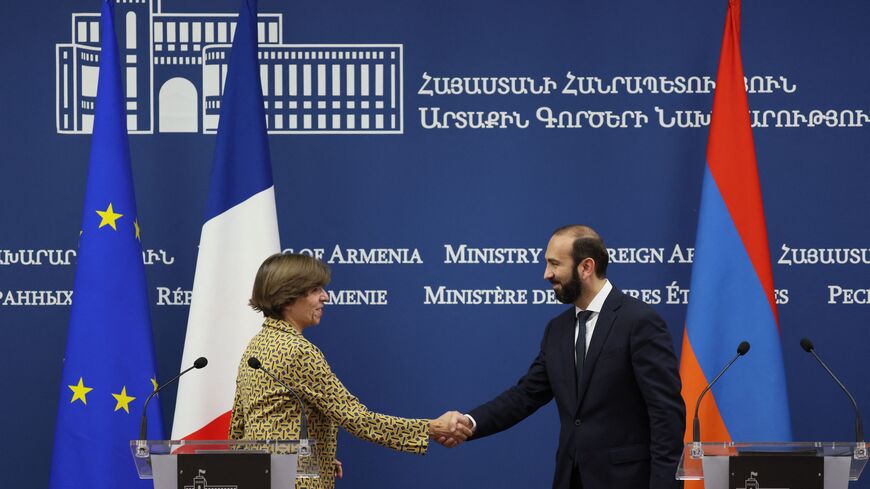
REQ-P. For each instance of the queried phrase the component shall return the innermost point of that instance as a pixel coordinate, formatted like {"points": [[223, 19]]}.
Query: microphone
{"points": [[742, 348], [143, 427], [255, 364], [808, 347]]}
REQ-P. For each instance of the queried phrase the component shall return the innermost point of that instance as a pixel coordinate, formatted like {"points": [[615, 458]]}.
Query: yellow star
{"points": [[79, 392], [109, 217], [154, 383], [123, 400], [136, 225]]}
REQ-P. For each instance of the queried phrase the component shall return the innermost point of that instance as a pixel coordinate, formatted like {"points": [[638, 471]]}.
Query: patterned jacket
{"points": [[264, 410]]}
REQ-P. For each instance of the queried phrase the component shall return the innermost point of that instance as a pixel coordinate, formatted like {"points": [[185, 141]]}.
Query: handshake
{"points": [[450, 429]]}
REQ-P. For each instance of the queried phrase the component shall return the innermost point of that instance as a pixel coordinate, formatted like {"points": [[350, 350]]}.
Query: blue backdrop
{"points": [[627, 160]]}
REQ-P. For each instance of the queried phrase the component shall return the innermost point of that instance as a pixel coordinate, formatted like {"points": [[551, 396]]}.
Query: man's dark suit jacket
{"points": [[624, 430]]}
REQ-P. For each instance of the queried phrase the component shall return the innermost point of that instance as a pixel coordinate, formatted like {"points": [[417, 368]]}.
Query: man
{"points": [[610, 364]]}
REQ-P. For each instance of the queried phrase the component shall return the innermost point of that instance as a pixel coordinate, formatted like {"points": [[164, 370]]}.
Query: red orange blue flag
{"points": [[732, 293]]}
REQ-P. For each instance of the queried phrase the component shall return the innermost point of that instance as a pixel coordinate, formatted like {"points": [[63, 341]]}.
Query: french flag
{"points": [[732, 294], [240, 231]]}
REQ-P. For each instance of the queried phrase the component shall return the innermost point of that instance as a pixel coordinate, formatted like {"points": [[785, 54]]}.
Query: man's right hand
{"points": [[450, 429]]}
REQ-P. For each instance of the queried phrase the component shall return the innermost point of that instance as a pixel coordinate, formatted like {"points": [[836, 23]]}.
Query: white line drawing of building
{"points": [[174, 66]]}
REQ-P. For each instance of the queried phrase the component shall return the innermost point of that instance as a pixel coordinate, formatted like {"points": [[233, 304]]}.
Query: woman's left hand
{"points": [[339, 472]]}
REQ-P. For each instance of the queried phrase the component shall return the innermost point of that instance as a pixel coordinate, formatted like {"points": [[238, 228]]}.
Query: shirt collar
{"points": [[280, 325], [598, 301]]}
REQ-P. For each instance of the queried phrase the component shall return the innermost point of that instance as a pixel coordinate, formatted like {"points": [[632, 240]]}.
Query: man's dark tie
{"points": [[580, 345]]}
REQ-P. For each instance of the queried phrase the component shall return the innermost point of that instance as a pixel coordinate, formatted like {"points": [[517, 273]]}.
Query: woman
{"points": [[289, 291]]}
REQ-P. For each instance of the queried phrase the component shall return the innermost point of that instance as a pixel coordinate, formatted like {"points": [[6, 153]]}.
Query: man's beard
{"points": [[571, 290]]}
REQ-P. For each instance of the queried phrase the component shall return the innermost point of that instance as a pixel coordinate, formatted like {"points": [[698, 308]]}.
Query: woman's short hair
{"points": [[283, 278]]}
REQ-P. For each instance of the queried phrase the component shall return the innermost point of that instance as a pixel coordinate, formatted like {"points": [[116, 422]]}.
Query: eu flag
{"points": [[109, 367]]}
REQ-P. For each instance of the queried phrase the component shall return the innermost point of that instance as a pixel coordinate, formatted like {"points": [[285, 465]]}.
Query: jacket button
{"points": [[576, 422]]}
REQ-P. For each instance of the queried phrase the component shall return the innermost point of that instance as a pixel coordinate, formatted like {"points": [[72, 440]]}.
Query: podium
{"points": [[198, 464], [795, 465]]}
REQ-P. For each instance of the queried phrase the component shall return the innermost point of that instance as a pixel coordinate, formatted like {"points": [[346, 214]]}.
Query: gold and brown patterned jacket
{"points": [[264, 410]]}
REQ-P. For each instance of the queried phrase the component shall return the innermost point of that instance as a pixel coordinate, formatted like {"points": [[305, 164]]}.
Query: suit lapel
{"points": [[603, 326]]}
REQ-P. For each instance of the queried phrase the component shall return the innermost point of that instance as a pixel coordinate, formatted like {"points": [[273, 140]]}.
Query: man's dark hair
{"points": [[587, 244]]}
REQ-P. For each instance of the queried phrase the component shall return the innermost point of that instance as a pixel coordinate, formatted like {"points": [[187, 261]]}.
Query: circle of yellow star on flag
{"points": [[123, 400], [79, 392], [109, 217]]}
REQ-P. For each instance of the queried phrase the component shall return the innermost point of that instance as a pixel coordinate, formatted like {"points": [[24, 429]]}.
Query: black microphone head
{"points": [[254, 363], [200, 362], [742, 348], [807, 345]]}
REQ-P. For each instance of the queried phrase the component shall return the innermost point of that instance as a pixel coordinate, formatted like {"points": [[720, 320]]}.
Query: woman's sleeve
{"points": [[320, 389], [237, 421]]}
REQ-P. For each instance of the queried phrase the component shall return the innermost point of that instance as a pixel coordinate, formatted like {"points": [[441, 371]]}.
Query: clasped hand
{"points": [[450, 429]]}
